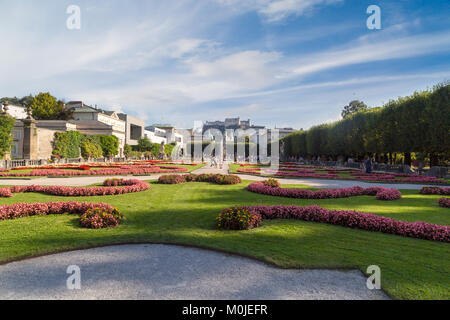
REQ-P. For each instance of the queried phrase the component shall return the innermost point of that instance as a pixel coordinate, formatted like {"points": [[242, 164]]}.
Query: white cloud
{"points": [[276, 10]]}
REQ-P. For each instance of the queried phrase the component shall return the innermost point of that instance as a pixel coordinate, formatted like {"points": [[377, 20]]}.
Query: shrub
{"points": [[238, 219], [444, 202], [171, 179], [352, 219], [272, 183], [435, 190], [98, 218]]}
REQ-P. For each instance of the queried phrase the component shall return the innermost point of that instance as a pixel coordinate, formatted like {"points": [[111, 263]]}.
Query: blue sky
{"points": [[289, 63]]}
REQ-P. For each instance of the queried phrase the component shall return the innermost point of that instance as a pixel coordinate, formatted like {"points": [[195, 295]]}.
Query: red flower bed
{"points": [[380, 193], [444, 202], [435, 190], [309, 172], [21, 210], [355, 220], [128, 186], [95, 172], [213, 178]]}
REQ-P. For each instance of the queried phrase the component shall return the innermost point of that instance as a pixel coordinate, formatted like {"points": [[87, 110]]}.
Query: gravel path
{"points": [[173, 272]]}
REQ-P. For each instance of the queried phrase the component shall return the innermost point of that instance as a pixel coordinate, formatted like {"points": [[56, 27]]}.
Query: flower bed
{"points": [[435, 190], [127, 186], [238, 219], [310, 172], [378, 192], [107, 215], [355, 220], [94, 172], [444, 202], [213, 178]]}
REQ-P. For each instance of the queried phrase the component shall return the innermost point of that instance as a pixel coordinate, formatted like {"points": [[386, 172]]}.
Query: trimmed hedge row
{"points": [[213, 178], [379, 192], [127, 186], [352, 219]]}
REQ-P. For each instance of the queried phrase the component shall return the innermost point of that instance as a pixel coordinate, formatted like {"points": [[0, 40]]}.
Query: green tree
{"points": [[144, 144], [46, 107], [90, 149], [109, 145], [6, 127], [127, 150], [353, 107]]}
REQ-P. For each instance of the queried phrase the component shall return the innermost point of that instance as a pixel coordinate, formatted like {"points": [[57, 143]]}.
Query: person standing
{"points": [[368, 165]]}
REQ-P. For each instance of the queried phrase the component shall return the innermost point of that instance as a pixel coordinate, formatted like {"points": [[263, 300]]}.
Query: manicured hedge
{"points": [[379, 192], [355, 220]]}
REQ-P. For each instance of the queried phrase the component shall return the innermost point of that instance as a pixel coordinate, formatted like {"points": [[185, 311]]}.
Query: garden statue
{"points": [[162, 154]]}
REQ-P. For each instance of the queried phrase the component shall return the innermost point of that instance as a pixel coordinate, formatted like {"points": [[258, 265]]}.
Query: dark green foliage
{"points": [[46, 107], [72, 144], [417, 123], [6, 126], [109, 145], [353, 107]]}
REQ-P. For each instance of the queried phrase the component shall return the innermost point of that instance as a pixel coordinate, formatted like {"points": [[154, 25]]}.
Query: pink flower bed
{"points": [[435, 190], [20, 210], [379, 192], [95, 172], [355, 220], [444, 202], [127, 186], [309, 172]]}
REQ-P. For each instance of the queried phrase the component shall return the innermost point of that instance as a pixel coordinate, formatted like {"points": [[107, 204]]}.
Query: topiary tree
{"points": [[6, 126]]}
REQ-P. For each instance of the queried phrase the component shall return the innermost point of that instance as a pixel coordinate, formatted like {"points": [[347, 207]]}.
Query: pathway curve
{"points": [[173, 272]]}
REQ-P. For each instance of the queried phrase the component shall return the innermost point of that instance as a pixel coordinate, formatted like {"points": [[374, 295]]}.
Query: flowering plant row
{"points": [[379, 192], [435, 190], [355, 220], [107, 215], [128, 186], [444, 202], [96, 172], [332, 174], [213, 178]]}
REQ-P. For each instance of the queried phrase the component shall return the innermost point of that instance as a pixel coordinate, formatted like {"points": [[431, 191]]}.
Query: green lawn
{"points": [[185, 214]]}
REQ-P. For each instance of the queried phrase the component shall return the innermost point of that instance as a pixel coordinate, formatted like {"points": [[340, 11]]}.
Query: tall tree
{"points": [[46, 107], [6, 126], [353, 107]]}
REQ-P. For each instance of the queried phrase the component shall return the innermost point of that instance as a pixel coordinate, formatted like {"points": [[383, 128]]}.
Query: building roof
{"points": [[90, 125]]}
